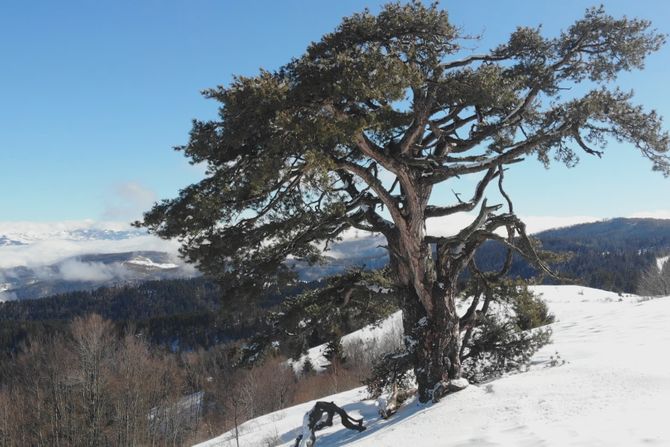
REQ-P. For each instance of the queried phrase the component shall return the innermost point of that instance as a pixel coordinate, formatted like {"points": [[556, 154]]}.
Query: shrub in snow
{"points": [[529, 310], [334, 352], [391, 382], [307, 367], [504, 332], [500, 333], [497, 347]]}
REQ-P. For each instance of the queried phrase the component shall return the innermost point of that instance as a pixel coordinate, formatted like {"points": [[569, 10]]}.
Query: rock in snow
{"points": [[458, 384], [611, 387]]}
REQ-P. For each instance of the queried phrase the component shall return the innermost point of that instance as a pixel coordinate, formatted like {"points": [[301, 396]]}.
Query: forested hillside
{"points": [[180, 313], [608, 255]]}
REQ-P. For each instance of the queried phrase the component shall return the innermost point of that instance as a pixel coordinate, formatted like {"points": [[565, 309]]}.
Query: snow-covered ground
{"points": [[613, 389], [148, 263], [660, 262], [371, 335]]}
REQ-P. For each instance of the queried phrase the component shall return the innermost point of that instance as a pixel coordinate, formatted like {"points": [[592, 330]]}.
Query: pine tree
{"points": [[360, 130]]}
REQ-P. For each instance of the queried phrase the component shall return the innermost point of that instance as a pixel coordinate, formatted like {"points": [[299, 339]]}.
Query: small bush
{"points": [[390, 373], [530, 310], [654, 281], [307, 367], [504, 339], [498, 347]]}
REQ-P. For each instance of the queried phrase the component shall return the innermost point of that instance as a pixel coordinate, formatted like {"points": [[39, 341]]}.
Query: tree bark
{"points": [[434, 340], [426, 282]]}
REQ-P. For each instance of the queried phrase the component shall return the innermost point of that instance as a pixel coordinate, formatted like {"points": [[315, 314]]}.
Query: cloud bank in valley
{"points": [[49, 243], [75, 270]]}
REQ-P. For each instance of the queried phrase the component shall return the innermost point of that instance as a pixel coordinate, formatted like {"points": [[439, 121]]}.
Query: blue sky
{"points": [[93, 95]]}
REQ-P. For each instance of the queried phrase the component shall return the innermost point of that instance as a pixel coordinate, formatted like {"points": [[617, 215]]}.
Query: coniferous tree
{"points": [[360, 130]]}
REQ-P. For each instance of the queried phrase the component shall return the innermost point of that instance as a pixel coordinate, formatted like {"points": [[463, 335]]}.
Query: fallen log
{"points": [[314, 421]]}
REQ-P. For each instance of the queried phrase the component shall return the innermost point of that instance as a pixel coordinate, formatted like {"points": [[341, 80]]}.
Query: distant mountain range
{"points": [[41, 259], [86, 272], [190, 312], [609, 254], [71, 234]]}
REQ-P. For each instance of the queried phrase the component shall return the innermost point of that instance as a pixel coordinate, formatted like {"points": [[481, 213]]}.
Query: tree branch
{"points": [[438, 211], [387, 199]]}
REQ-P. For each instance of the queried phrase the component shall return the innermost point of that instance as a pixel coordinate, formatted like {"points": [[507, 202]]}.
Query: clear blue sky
{"points": [[93, 95]]}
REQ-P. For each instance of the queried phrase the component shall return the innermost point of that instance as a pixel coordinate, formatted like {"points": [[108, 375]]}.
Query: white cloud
{"points": [[129, 200], [7, 296], [48, 243], [27, 231], [74, 270]]}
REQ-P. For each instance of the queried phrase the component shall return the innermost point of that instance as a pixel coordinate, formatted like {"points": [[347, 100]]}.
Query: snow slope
{"points": [[370, 335], [613, 390]]}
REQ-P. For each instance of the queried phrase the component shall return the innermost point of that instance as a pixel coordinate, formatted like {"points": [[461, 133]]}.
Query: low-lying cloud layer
{"points": [[75, 270], [51, 251], [49, 243]]}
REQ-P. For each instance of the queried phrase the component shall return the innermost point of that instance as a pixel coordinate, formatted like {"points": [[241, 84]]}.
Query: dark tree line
{"points": [[183, 314]]}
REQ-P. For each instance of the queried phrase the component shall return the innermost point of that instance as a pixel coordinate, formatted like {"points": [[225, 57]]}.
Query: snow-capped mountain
{"points": [[5, 241], [627, 245], [24, 233]]}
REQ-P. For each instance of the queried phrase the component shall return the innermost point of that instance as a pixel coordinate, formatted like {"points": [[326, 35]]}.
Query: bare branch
{"points": [[510, 205], [583, 145], [368, 213], [438, 211], [511, 155], [387, 199], [470, 59]]}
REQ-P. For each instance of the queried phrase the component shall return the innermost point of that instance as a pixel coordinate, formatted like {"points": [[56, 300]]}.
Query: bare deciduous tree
{"points": [[655, 281]]}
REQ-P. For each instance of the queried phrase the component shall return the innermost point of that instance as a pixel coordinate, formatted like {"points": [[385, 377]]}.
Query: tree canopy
{"points": [[359, 130]]}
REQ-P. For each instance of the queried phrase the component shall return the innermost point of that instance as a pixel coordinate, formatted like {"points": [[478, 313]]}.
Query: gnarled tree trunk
{"points": [[434, 341], [430, 321]]}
